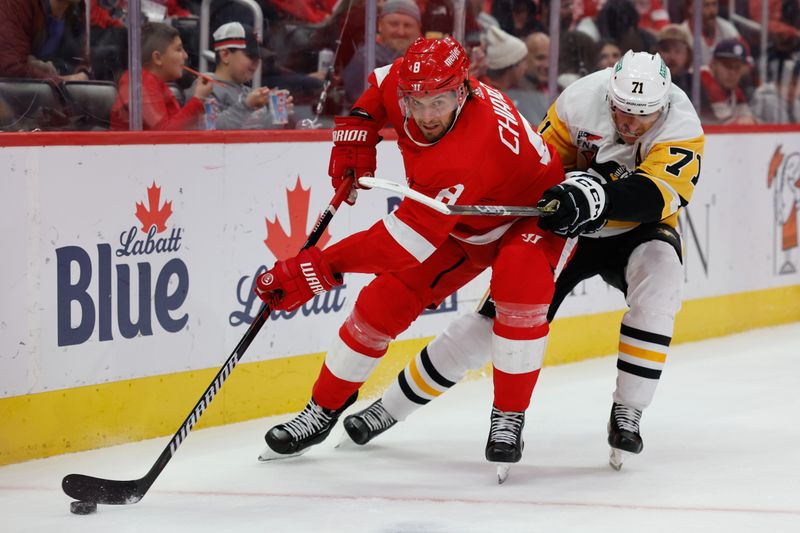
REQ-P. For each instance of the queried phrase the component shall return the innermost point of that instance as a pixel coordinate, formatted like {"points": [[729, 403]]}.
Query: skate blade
{"points": [[345, 442], [503, 469], [268, 454], [616, 458]]}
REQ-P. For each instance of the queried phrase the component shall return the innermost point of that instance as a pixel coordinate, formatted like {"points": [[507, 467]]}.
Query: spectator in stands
{"points": [[608, 53], [517, 17], [652, 15], [783, 17], [577, 58], [537, 63], [618, 20], [713, 28], [163, 58], [536, 99], [109, 34], [477, 23], [506, 58], [675, 48], [399, 25], [237, 53], [722, 99], [43, 39], [437, 18]]}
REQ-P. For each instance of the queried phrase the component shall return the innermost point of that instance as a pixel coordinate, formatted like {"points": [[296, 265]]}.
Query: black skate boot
{"points": [[623, 433], [365, 425], [505, 442], [310, 427]]}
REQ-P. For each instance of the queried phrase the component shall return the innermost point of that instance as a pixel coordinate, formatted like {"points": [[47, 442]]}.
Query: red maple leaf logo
{"points": [[153, 216], [284, 246]]}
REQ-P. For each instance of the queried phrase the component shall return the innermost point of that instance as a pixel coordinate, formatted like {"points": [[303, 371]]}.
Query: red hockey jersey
{"points": [[490, 156]]}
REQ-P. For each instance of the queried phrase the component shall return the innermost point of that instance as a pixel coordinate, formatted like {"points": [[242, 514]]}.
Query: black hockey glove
{"points": [[581, 204]]}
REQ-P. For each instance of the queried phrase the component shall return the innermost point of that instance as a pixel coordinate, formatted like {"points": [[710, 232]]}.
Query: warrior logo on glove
{"points": [[291, 283], [311, 278]]}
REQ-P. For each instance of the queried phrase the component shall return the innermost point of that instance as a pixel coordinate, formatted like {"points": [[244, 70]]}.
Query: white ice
{"points": [[722, 453]]}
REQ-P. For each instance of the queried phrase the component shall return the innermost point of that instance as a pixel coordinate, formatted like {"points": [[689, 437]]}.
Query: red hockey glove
{"points": [[353, 153], [291, 283]]}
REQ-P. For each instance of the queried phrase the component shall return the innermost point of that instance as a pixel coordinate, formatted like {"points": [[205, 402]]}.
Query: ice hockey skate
{"points": [[623, 434], [365, 425], [505, 443], [310, 427]]}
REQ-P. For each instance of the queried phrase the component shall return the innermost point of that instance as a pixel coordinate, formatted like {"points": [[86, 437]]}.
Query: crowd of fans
{"points": [[508, 41]]}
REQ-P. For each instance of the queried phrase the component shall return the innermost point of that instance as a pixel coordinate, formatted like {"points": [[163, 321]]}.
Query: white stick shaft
{"points": [[441, 207], [408, 192]]}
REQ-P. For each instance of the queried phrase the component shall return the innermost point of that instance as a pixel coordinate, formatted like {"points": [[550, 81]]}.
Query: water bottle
{"points": [[211, 111], [324, 60]]}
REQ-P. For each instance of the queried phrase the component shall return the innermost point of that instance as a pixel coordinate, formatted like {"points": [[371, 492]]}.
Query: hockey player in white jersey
{"points": [[639, 140]]}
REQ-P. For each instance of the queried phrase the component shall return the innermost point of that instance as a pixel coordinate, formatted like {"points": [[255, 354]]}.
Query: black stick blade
{"points": [[105, 491]]}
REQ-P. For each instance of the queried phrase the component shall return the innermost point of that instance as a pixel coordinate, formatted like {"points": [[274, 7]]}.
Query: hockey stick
{"points": [[441, 207], [114, 492]]}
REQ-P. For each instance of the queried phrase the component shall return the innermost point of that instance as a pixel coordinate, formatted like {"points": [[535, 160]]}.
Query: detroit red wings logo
{"points": [[285, 245]]}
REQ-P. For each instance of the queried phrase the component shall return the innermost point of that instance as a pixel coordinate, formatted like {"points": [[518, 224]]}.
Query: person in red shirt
{"points": [[43, 39], [163, 58], [463, 142]]}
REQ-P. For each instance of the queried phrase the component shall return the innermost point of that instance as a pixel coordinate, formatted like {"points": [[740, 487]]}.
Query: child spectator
{"points": [[43, 39], [722, 99], [238, 54], [163, 58]]}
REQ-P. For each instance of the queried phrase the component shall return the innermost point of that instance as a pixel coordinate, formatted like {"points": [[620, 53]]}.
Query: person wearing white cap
{"points": [[237, 54], [505, 57], [399, 25], [507, 61]]}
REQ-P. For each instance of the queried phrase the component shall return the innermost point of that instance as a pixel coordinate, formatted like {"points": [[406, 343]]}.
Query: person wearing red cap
{"points": [[463, 142]]}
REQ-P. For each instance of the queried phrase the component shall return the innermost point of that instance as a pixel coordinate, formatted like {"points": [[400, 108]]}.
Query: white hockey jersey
{"points": [[652, 178]]}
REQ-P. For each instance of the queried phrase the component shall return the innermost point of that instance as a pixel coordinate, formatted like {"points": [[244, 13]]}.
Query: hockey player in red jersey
{"points": [[635, 143], [462, 142]]}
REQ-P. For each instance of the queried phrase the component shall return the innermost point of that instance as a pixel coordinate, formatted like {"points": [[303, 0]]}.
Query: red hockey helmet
{"points": [[431, 66], [431, 85]]}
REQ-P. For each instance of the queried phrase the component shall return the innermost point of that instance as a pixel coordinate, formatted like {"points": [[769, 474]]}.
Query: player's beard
{"points": [[435, 130]]}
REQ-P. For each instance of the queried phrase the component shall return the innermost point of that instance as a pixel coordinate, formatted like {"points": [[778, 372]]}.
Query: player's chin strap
{"points": [[425, 145]]}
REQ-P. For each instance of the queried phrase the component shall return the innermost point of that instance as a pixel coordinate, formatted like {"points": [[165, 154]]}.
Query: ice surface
{"points": [[722, 453]]}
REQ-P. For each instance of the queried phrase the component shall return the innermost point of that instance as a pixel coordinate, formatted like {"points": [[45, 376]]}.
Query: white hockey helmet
{"points": [[639, 84]]}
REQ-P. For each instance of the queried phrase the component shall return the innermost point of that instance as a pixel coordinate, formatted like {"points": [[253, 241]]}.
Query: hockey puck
{"points": [[82, 507]]}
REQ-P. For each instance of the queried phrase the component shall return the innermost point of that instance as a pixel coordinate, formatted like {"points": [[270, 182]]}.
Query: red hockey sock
{"points": [[331, 392], [512, 392]]}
